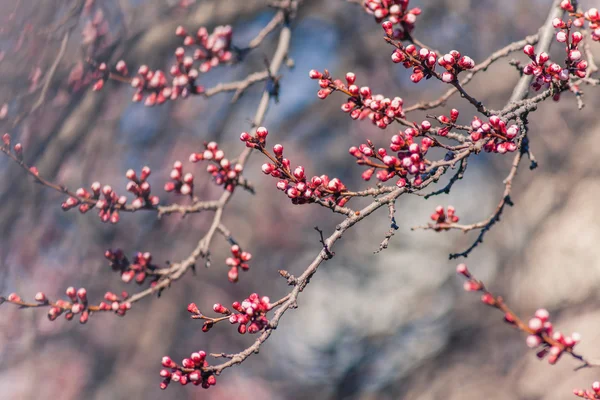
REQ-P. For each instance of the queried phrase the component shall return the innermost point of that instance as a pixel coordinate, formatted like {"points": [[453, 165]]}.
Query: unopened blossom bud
{"points": [[262, 132], [533, 341], [487, 298], [82, 294], [41, 297], [314, 74], [529, 50], [535, 324], [299, 172], [185, 189], [542, 314], [447, 77], [387, 28], [14, 297], [574, 55]]}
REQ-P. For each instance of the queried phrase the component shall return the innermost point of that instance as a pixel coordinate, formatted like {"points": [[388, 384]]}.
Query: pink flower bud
{"points": [[447, 77], [529, 50], [533, 341], [535, 324], [574, 55], [561, 36], [314, 74], [463, 270]]}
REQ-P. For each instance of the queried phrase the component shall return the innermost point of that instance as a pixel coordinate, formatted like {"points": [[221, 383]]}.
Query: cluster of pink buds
{"points": [[141, 189], [295, 184], [593, 394], [441, 217], [108, 205], [224, 172], [180, 183], [542, 334], [423, 62], [251, 315], [361, 103], [137, 269], [592, 16], [238, 260], [448, 122], [547, 72], [113, 303], [501, 139], [396, 12], [78, 305], [453, 63], [410, 57], [540, 329], [409, 158], [190, 371], [209, 50]]}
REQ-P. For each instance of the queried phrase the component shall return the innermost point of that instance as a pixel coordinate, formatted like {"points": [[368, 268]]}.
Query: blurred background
{"points": [[393, 325]]}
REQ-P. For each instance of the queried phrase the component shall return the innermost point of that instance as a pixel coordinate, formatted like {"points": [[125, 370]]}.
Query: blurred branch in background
{"points": [[58, 131]]}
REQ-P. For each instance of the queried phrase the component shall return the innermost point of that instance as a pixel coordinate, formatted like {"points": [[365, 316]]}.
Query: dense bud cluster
{"points": [[238, 260], [440, 216], [592, 16], [541, 330], [251, 313], [593, 394], [139, 186], [409, 156], [190, 371], [396, 12], [361, 103], [156, 86], [224, 172], [209, 49], [295, 184], [78, 305], [547, 72], [501, 139], [113, 303], [423, 62], [103, 198], [180, 183], [137, 269]]}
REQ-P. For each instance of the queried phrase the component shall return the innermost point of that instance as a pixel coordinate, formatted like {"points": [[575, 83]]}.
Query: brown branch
{"points": [[512, 318], [277, 20], [393, 228], [177, 270], [238, 86]]}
